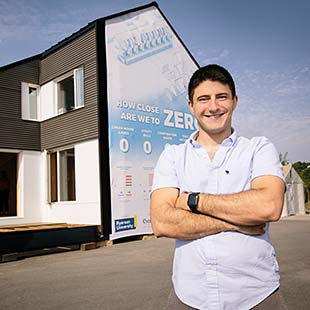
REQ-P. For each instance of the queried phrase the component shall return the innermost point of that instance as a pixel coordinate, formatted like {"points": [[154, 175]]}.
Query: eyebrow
{"points": [[221, 94], [216, 95]]}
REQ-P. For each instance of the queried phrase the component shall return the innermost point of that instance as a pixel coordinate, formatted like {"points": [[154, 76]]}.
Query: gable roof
{"points": [[291, 175], [286, 169]]}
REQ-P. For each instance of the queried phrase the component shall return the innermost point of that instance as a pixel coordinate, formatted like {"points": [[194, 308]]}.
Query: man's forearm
{"points": [[251, 207], [242, 208], [169, 220], [182, 224], [263, 203]]}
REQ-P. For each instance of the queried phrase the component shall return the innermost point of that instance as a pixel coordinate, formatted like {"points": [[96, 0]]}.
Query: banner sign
{"points": [[148, 70]]}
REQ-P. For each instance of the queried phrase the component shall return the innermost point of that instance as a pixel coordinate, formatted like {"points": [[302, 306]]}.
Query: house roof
{"points": [[20, 62], [294, 176], [286, 169], [74, 35]]}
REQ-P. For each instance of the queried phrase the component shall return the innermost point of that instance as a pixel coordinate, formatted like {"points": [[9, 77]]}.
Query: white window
{"points": [[30, 102], [70, 91], [62, 175]]}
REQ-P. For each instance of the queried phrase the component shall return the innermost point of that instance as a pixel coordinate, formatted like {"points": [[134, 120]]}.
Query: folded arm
{"points": [[169, 221], [262, 203]]}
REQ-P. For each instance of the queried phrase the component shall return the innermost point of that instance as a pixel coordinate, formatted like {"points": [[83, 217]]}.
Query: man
{"points": [[214, 194]]}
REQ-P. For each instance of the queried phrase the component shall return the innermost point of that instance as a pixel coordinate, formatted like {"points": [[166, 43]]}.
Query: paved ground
{"points": [[135, 275]]}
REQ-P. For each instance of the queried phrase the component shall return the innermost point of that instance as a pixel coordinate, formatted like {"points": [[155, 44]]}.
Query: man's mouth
{"points": [[215, 116]]}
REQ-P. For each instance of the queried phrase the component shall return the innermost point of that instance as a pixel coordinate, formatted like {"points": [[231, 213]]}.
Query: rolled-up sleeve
{"points": [[266, 160], [165, 174]]}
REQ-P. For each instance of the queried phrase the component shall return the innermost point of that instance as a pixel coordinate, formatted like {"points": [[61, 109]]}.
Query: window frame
{"points": [[25, 102], [78, 102], [58, 176]]}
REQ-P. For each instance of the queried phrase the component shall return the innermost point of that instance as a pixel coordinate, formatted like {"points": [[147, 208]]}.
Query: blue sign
{"points": [[125, 224]]}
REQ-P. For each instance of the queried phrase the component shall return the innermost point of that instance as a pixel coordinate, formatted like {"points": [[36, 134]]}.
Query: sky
{"points": [[264, 44]]}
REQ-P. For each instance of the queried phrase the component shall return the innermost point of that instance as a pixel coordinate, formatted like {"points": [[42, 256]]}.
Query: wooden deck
{"points": [[33, 236], [39, 226]]}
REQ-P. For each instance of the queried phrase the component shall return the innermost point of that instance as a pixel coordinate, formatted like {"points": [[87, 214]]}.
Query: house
{"points": [[82, 123], [294, 202]]}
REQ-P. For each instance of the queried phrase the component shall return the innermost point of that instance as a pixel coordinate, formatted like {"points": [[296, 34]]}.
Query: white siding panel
{"points": [[47, 101]]}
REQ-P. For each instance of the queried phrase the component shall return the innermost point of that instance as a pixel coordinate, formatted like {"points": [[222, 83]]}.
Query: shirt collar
{"points": [[192, 139], [229, 141]]}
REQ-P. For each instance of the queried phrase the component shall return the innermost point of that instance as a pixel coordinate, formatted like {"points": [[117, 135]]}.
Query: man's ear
{"points": [[190, 105], [235, 102]]}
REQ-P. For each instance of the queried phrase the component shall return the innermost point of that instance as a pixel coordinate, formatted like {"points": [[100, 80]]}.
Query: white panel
{"points": [[87, 172], [25, 101], [47, 101], [32, 185]]}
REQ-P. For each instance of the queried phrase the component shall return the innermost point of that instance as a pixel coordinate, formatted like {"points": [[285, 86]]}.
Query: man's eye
{"points": [[203, 99], [222, 97]]}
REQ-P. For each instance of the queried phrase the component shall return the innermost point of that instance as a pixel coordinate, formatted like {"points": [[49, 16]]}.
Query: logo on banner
{"points": [[129, 223], [143, 45]]}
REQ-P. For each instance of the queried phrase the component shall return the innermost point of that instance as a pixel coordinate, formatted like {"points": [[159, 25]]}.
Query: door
{"points": [[8, 181]]}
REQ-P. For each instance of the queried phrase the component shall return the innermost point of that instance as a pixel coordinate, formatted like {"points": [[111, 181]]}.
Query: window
{"points": [[70, 91], [62, 175], [30, 101]]}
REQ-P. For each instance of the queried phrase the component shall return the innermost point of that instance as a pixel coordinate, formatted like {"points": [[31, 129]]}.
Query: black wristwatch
{"points": [[192, 202]]}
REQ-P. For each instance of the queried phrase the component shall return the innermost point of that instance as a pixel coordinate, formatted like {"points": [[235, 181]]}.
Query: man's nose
{"points": [[213, 104]]}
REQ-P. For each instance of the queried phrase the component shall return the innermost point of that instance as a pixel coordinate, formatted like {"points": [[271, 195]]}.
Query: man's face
{"points": [[213, 106]]}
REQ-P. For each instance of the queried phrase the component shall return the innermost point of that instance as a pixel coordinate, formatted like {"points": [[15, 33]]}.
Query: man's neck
{"points": [[211, 142]]}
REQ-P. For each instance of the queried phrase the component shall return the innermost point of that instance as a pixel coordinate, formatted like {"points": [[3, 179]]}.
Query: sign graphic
{"points": [[148, 71], [126, 224]]}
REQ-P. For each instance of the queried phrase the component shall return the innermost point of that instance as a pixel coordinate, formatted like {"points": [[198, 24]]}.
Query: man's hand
{"points": [[252, 230]]}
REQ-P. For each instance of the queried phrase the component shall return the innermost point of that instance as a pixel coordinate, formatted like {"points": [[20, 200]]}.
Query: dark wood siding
{"points": [[14, 132], [81, 124]]}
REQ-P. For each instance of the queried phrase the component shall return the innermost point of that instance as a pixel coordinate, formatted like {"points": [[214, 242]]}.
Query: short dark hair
{"points": [[212, 73]]}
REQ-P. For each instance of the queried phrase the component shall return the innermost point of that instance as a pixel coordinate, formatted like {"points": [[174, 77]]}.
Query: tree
{"points": [[303, 169]]}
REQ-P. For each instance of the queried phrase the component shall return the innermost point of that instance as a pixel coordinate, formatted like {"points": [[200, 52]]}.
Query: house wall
{"points": [[294, 202], [285, 208], [86, 208], [80, 124], [301, 199], [16, 133]]}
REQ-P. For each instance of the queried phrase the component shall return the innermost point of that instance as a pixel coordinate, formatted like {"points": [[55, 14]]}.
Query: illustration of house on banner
{"points": [[83, 123]]}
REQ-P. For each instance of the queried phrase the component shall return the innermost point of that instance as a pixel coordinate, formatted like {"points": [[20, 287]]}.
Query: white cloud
{"points": [[36, 25], [210, 56], [289, 132]]}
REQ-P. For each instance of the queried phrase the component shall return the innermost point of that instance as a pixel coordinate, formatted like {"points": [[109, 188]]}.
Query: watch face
{"points": [[192, 201]]}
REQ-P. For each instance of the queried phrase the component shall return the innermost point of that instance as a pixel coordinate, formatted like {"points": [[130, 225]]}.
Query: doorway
{"points": [[8, 182]]}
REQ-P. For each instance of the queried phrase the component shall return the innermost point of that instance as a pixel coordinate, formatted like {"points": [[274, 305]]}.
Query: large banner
{"points": [[148, 70]]}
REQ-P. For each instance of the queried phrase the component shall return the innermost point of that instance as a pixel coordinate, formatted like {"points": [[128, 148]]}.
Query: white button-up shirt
{"points": [[228, 270]]}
